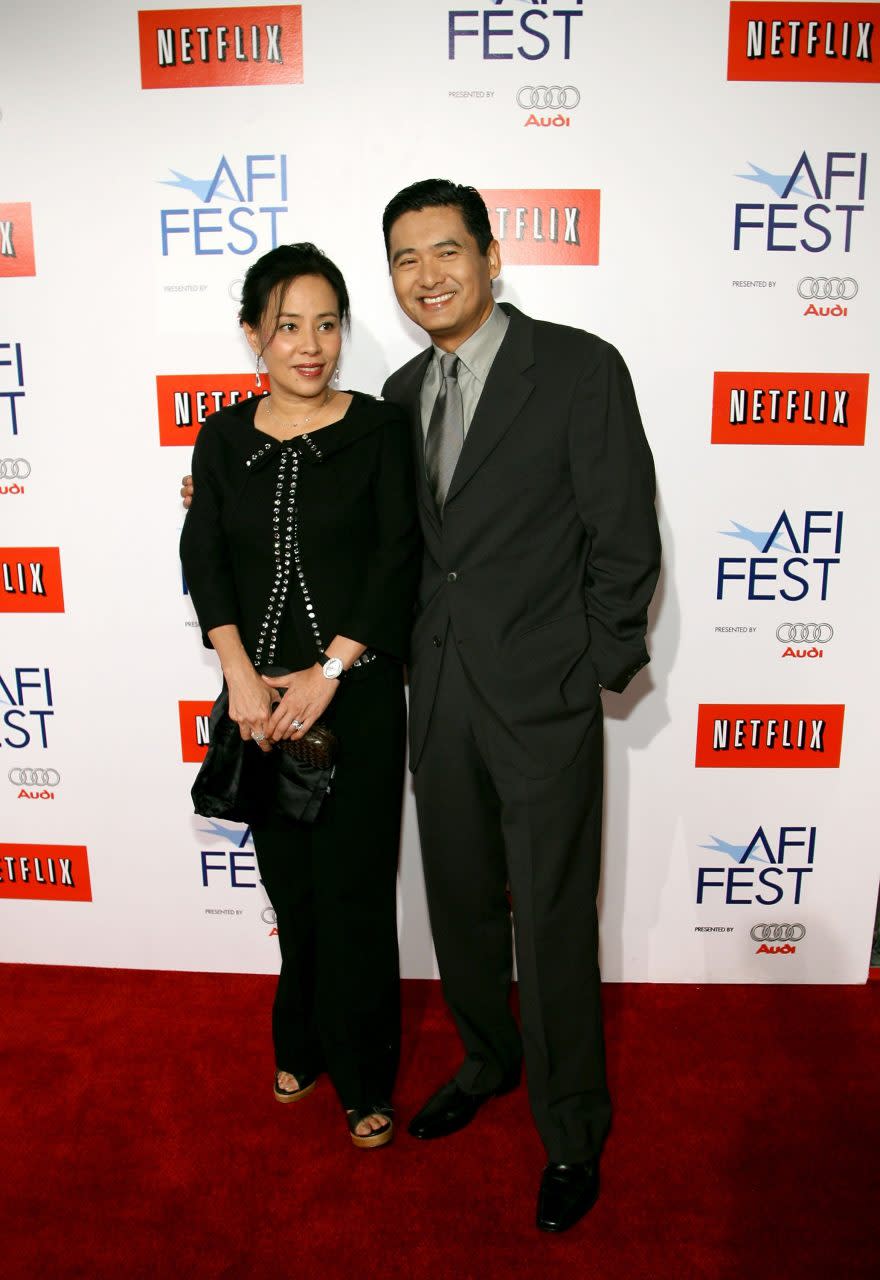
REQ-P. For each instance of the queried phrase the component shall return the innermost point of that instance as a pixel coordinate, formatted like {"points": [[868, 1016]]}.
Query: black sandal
{"points": [[293, 1095], [378, 1137]]}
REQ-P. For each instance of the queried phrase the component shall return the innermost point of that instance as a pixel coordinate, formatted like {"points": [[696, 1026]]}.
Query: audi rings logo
{"points": [[267, 915], [553, 97], [804, 632], [14, 468], [777, 932], [34, 777], [839, 288]]}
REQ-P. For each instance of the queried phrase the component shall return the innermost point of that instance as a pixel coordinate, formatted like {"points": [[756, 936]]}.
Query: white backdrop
{"points": [[146, 205]]}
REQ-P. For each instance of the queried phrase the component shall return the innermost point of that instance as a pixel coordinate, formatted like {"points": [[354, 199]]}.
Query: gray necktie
{"points": [[445, 434]]}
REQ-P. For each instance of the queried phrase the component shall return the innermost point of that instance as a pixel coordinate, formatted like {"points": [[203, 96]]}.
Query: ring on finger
{"points": [[258, 737], [297, 724]]}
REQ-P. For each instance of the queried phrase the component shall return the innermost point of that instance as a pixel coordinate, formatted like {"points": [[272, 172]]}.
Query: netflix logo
{"points": [[41, 871], [16, 241], [765, 736], [186, 400], [789, 408], [546, 228], [831, 42], [195, 732], [30, 580], [202, 48]]}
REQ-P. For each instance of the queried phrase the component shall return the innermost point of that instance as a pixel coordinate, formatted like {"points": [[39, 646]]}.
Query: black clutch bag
{"points": [[241, 783]]}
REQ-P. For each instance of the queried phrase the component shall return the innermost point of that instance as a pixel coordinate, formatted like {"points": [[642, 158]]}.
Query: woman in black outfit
{"points": [[301, 550]]}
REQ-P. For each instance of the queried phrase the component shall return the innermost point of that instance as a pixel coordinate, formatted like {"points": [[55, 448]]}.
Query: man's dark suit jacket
{"points": [[544, 564]]}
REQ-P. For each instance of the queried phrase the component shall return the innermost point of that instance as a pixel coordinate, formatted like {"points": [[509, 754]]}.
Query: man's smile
{"points": [[436, 299]]}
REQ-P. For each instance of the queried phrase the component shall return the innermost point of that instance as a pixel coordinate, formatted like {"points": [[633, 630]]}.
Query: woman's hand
{"points": [[250, 706], [306, 696]]}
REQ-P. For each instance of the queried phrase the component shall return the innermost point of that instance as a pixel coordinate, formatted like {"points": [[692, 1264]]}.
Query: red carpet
{"points": [[139, 1138]]}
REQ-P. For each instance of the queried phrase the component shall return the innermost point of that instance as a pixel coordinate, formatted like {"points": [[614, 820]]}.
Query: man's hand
{"points": [[186, 491]]}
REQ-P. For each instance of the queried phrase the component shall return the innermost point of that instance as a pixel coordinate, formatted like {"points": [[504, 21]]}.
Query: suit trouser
{"points": [[333, 886], [483, 825]]}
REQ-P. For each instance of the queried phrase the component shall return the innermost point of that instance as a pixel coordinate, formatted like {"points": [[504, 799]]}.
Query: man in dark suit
{"points": [[536, 496]]}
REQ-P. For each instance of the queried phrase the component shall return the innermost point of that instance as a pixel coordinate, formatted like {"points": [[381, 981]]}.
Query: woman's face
{"points": [[301, 342]]}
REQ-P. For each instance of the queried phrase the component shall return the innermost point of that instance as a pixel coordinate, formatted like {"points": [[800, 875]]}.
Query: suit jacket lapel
{"points": [[410, 399], [507, 389]]}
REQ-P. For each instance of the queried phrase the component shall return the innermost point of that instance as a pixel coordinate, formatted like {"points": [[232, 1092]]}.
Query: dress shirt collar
{"points": [[481, 348]]}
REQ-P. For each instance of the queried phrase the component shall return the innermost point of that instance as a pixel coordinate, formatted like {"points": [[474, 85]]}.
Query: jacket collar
{"points": [[507, 389]]}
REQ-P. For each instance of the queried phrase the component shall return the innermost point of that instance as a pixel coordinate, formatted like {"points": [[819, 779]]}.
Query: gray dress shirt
{"points": [[476, 356]]}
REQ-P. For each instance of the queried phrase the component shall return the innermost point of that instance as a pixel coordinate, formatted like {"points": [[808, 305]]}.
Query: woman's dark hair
{"points": [[434, 192], [267, 279]]}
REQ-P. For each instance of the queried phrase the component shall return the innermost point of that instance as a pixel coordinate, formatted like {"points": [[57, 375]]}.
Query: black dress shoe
{"points": [[450, 1109], [567, 1192]]}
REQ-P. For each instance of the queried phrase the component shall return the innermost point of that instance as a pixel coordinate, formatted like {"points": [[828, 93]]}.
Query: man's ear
{"points": [[493, 255]]}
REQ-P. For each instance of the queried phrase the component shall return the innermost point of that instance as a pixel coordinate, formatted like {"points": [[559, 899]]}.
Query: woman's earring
{"points": [[336, 376], [257, 371]]}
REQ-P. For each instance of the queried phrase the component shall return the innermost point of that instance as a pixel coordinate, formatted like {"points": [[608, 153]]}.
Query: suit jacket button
{"points": [[451, 577], [437, 642]]}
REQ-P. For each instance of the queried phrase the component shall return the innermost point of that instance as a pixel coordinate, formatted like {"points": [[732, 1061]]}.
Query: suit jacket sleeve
{"points": [[381, 615], [613, 476], [203, 548]]}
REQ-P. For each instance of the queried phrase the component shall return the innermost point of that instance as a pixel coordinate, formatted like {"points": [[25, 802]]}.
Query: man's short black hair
{"points": [[434, 193]]}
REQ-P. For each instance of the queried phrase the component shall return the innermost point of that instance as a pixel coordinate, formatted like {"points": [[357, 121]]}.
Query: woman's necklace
{"points": [[296, 426]]}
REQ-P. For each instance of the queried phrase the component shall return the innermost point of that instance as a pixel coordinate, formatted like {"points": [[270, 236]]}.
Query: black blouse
{"points": [[300, 541]]}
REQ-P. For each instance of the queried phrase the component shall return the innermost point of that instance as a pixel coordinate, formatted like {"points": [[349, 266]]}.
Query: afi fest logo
{"points": [[30, 580], [521, 29], [26, 705], [59, 871], [201, 48], [768, 869], [808, 548], [195, 734], [789, 408], [769, 736], [816, 206], [545, 228], [238, 204], [236, 863], [186, 400], [11, 383], [818, 42], [16, 241]]}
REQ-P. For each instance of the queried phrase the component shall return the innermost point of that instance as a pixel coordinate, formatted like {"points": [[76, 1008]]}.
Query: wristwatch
{"points": [[332, 667]]}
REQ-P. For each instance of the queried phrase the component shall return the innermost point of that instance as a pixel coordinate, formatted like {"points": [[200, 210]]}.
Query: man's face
{"points": [[442, 281]]}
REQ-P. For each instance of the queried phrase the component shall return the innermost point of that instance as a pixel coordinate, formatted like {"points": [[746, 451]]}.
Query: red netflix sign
{"points": [[789, 408], [41, 871], [202, 48], [769, 736], [30, 580], [194, 730], [546, 228], [185, 400], [16, 241], [826, 42]]}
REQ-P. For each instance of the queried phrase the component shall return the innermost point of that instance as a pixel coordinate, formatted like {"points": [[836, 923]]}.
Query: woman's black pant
{"points": [[333, 886]]}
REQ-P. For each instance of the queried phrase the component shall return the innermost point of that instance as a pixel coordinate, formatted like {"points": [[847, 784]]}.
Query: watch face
{"points": [[333, 668]]}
